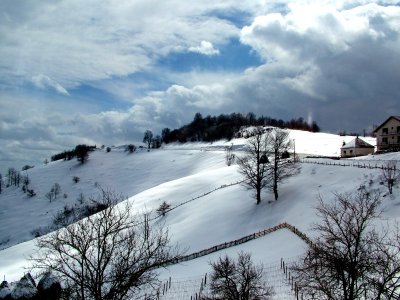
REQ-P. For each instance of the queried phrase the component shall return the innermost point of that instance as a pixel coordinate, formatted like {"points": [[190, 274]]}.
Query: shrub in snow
{"points": [[27, 167], [163, 208], [108, 149], [75, 179], [30, 192], [130, 148]]}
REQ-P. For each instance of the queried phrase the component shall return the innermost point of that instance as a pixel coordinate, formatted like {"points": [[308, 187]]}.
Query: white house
{"points": [[356, 147], [388, 134]]}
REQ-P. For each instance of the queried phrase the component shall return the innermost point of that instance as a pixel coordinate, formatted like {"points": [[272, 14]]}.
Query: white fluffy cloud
{"points": [[73, 42], [334, 60], [206, 48]]}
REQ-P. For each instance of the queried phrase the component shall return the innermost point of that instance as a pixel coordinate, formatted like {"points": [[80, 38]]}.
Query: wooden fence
{"points": [[243, 240]]}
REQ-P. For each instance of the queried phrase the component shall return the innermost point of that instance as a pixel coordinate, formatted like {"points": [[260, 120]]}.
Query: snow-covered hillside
{"points": [[177, 174]]}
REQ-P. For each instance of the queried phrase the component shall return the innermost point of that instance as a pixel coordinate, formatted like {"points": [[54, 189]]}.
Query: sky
{"points": [[103, 72]]}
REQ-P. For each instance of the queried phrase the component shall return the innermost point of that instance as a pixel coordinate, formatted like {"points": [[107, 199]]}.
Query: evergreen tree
{"points": [[82, 153]]}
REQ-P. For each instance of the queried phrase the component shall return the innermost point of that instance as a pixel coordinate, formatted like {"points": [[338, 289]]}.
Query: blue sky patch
{"points": [[233, 56]]}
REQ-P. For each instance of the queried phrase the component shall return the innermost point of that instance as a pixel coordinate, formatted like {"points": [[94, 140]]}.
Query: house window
{"points": [[398, 139], [345, 150], [351, 151], [384, 140], [385, 131], [398, 129]]}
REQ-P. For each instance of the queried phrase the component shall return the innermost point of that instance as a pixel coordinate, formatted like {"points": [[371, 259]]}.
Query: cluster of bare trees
{"points": [[150, 140], [266, 162], [54, 192], [353, 257], [110, 255]]}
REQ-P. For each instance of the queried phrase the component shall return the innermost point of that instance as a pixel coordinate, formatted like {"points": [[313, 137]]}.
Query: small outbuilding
{"points": [[356, 147]]}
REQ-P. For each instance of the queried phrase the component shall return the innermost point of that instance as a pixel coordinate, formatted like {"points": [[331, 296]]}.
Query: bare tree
{"points": [[280, 166], [13, 177], [110, 255], [390, 174], [386, 282], [253, 166], [148, 138], [49, 196], [56, 189], [237, 280], [350, 259]]}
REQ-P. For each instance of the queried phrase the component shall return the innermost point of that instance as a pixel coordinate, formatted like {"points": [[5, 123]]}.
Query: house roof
{"points": [[379, 127], [357, 143]]}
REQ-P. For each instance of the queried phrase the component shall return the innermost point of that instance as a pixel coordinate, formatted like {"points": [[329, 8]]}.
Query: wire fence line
{"points": [[275, 274], [223, 186], [355, 164]]}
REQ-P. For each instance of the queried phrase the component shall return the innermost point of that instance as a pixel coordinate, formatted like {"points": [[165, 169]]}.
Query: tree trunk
{"points": [[276, 191]]}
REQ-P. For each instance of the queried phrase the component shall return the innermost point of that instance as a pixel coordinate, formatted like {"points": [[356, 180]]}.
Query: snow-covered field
{"points": [[177, 174]]}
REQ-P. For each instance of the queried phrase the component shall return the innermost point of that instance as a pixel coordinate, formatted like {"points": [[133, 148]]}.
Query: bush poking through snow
{"points": [[130, 148], [163, 209]]}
